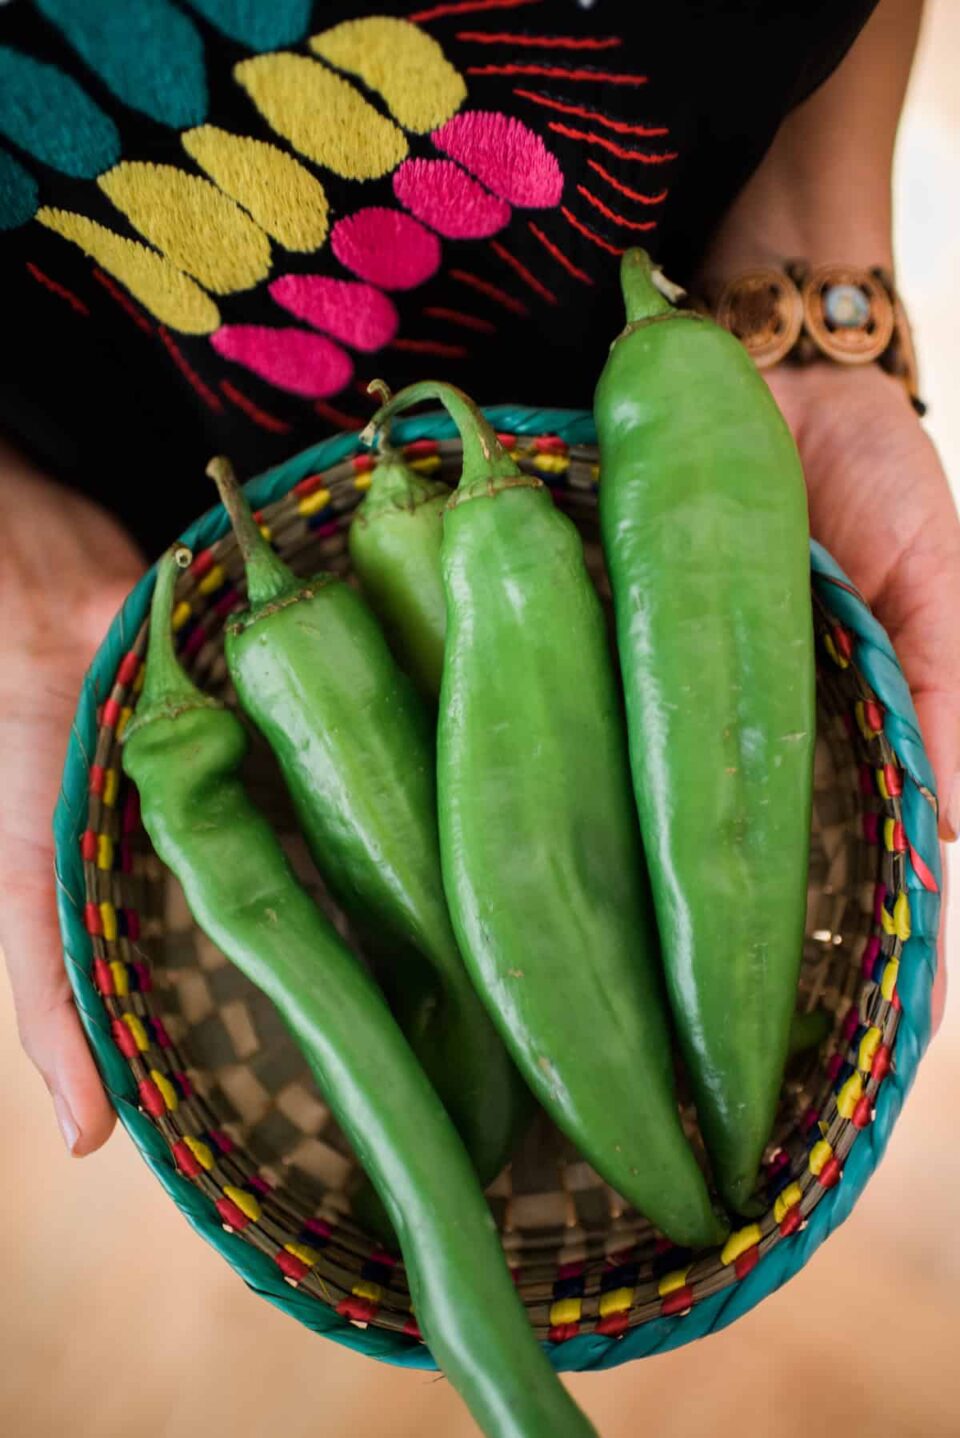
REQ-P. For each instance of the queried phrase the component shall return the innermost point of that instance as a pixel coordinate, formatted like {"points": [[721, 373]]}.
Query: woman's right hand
{"points": [[65, 568]]}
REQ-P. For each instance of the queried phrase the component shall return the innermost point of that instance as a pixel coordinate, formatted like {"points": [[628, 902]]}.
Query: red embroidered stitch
{"points": [[492, 292], [523, 272], [125, 304], [336, 416], [558, 255], [541, 42], [467, 7], [612, 214], [585, 230], [61, 291], [620, 126], [253, 411], [459, 317], [213, 401], [645, 157], [559, 72], [637, 195], [430, 347]]}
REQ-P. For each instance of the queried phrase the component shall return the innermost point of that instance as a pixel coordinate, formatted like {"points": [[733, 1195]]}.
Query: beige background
{"points": [[115, 1319]]}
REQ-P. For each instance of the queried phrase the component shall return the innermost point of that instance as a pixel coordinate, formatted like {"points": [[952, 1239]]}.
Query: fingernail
{"points": [[952, 814], [67, 1122]]}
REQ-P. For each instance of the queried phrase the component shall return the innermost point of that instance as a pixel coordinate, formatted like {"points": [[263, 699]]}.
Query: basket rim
{"points": [[875, 657]]}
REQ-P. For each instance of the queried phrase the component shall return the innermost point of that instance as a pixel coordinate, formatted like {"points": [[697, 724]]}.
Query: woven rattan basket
{"points": [[220, 1103]]}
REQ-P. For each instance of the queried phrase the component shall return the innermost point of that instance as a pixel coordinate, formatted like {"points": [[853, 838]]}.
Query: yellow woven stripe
{"points": [[739, 1242], [565, 1310], [126, 714], [138, 1031], [104, 851], [108, 918], [284, 198], [552, 463], [121, 979], [313, 503], [888, 984], [868, 1047], [180, 615], [849, 1096], [201, 1151], [212, 580], [322, 116], [163, 289], [111, 784], [192, 222], [786, 1200], [373, 1292], [306, 1254], [670, 1282], [363, 482], [402, 62], [615, 1301], [818, 1156], [169, 1093], [245, 1201]]}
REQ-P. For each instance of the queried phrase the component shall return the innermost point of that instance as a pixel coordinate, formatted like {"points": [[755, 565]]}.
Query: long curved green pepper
{"points": [[394, 544], [183, 751], [704, 522], [539, 840], [314, 673]]}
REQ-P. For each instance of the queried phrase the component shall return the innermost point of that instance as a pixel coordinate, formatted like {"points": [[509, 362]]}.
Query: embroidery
{"points": [[386, 247], [526, 275], [196, 226], [148, 54], [295, 360], [509, 158], [558, 255], [322, 116], [169, 295], [18, 193], [256, 24], [440, 194], [46, 114], [281, 195], [59, 290], [403, 64], [356, 313]]}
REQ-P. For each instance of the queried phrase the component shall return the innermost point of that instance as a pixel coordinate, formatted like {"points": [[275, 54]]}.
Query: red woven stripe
{"points": [[103, 978], [791, 1220], [677, 1302], [561, 1332], [186, 1160], [614, 1323], [360, 1309], [310, 485], [88, 845], [863, 1113], [129, 668], [829, 1175], [97, 777], [231, 1214], [747, 1261], [290, 1265], [92, 919], [151, 1098], [111, 713], [881, 1063]]}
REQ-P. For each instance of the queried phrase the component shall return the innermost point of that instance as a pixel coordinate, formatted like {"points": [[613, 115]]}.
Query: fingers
{"points": [[47, 1019]]}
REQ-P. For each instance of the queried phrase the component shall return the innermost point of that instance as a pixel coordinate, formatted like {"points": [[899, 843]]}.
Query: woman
{"points": [[217, 225]]}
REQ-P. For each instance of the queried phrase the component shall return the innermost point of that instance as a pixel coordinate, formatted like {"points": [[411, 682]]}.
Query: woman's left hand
{"points": [[880, 502]]}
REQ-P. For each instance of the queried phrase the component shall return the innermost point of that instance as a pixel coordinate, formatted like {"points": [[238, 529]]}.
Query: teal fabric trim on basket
{"points": [[876, 659]]}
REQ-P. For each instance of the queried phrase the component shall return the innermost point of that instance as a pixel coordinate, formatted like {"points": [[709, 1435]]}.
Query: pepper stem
{"points": [[166, 682], [484, 457], [267, 575], [646, 290]]}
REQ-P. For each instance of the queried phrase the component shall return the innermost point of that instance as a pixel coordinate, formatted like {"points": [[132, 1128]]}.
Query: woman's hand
{"points": [[881, 504], [65, 567]]}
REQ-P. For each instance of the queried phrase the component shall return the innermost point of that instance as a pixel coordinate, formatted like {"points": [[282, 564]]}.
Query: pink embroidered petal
{"points": [[505, 154], [358, 314], [386, 247], [294, 360], [443, 196]]}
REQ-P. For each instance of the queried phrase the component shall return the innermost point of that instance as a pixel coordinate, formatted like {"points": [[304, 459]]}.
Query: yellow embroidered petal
{"points": [[201, 230], [404, 64], [170, 296], [284, 198], [322, 116]]}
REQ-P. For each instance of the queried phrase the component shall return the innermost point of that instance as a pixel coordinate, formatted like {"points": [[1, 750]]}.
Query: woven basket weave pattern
{"points": [[234, 1113]]}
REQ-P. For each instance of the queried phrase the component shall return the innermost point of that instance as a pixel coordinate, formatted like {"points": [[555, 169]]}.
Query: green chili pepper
{"points": [[539, 840], [395, 539], [313, 671], [183, 751], [704, 522]]}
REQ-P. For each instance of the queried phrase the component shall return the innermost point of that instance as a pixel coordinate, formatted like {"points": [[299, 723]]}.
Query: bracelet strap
{"points": [[835, 312]]}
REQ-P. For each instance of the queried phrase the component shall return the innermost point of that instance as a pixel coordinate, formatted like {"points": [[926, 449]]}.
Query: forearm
{"points": [[823, 191]]}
